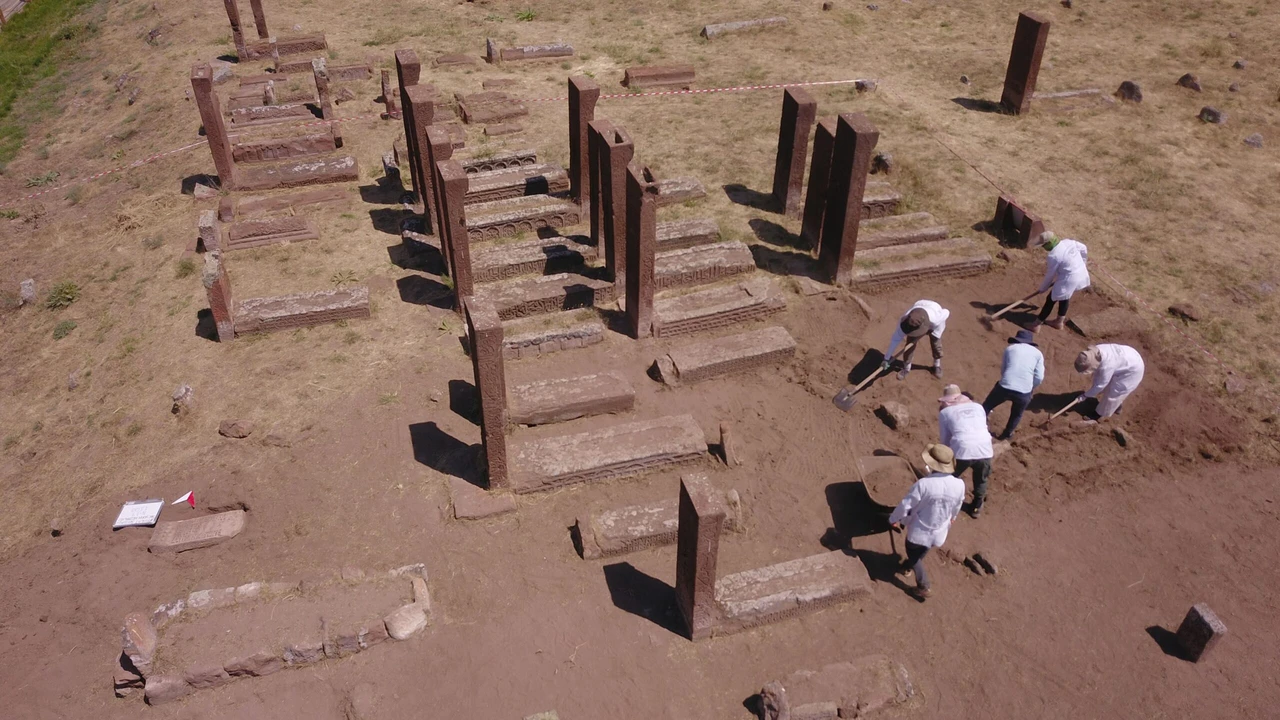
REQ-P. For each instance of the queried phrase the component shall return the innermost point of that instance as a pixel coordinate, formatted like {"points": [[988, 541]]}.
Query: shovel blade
{"points": [[845, 399]]}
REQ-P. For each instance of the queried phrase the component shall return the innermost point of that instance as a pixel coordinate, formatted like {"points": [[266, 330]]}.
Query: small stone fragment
{"points": [[221, 71], [165, 688], [125, 680], [1189, 81], [1234, 385], [828, 5], [894, 414], [1254, 141], [1240, 64], [1130, 90], [1185, 312], [729, 445], [138, 641], [276, 440], [235, 428], [988, 563], [406, 621], [974, 566], [304, 653], [1122, 436], [203, 192], [55, 527], [1200, 631], [873, 8], [1066, 4], [882, 164], [368, 637], [1212, 115], [27, 292], [773, 702], [182, 399], [964, 80], [344, 95], [1233, 87], [73, 381], [863, 86], [665, 370], [258, 664]]}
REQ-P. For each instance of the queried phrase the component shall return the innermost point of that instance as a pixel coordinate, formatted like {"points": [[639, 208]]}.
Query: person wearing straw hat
{"points": [[1117, 371], [1066, 272], [926, 317], [1021, 372], [962, 426], [928, 509]]}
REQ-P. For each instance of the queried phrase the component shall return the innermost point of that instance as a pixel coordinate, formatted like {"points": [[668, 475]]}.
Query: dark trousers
{"points": [[935, 344], [1000, 395], [915, 563], [1048, 307], [981, 474]]}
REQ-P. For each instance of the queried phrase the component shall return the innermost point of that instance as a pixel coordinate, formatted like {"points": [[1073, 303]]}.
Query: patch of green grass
{"points": [[385, 36], [63, 329], [134, 428], [186, 268], [9, 214], [526, 15], [29, 53], [75, 195], [153, 243], [343, 277], [390, 398], [62, 295], [10, 441], [42, 180], [351, 337]]}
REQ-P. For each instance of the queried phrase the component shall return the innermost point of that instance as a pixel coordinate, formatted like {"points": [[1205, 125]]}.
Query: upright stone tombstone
{"points": [[815, 199], [214, 128], [452, 182], [408, 71], [799, 110], [439, 147], [642, 198], [237, 33], [701, 520], [419, 113], [1029, 39], [217, 287], [320, 71], [855, 144], [617, 150], [584, 93], [484, 329], [596, 130], [259, 19], [1200, 631]]}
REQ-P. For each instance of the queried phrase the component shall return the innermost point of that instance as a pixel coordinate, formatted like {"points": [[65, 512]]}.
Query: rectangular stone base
{"points": [[702, 264], [638, 527], [531, 337], [288, 312], [269, 115], [504, 161], [858, 688], [550, 401], [256, 233], [298, 174], [546, 294], [734, 353], [672, 77], [287, 45], [516, 182], [679, 189], [536, 52], [350, 73], [230, 207], [257, 151], [790, 589], [503, 218], [617, 451], [491, 262], [900, 230], [677, 234], [489, 107], [718, 29], [880, 200], [904, 264], [716, 307]]}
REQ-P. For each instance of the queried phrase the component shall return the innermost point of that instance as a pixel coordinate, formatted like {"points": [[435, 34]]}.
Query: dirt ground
{"points": [[1102, 549]]}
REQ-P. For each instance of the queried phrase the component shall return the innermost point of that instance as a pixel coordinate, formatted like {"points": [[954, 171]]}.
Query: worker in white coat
{"points": [[1066, 271], [928, 510], [1117, 371], [926, 317]]}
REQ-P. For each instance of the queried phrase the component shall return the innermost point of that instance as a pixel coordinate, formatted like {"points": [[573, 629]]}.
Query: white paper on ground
{"points": [[137, 513]]}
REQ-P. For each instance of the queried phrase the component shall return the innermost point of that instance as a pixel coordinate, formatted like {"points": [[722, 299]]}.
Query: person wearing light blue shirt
{"points": [[1021, 372]]}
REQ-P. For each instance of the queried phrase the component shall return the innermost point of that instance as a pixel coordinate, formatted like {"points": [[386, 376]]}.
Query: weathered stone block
{"points": [[1200, 632], [557, 400], [789, 589], [719, 29], [734, 353], [182, 535], [637, 527]]}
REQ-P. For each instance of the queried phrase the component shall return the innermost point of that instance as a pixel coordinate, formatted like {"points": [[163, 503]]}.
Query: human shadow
{"points": [[979, 105], [1022, 315], [643, 595], [383, 192], [870, 363], [1168, 642], [771, 232], [388, 220], [464, 400], [444, 453], [1053, 402], [206, 328], [419, 290], [853, 514], [417, 256], [786, 262], [740, 194], [229, 58]]}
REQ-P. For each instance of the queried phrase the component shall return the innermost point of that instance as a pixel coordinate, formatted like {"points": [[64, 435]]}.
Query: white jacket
{"points": [[937, 324], [963, 428], [929, 508], [1066, 269], [1119, 372]]}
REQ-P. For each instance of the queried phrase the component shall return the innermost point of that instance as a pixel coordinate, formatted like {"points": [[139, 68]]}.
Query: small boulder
{"points": [[987, 562], [1240, 64], [203, 192], [1130, 90], [863, 86], [873, 8], [1066, 4], [893, 414], [964, 80], [1234, 385], [1254, 141], [165, 688], [1186, 312], [882, 163], [1122, 436], [55, 527], [1233, 87], [27, 292], [828, 5], [343, 95], [235, 428], [182, 399], [222, 71], [1212, 115], [1189, 81], [405, 622], [773, 702], [729, 445], [138, 641]]}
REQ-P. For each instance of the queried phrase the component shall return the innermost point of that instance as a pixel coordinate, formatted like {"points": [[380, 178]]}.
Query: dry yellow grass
{"points": [[1175, 209]]}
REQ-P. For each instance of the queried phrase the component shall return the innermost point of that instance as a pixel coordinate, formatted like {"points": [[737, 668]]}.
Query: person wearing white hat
{"points": [[926, 317], [1066, 271], [928, 510], [962, 426], [1117, 371]]}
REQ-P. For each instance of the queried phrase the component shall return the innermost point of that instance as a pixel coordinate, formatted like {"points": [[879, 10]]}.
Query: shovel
{"points": [[989, 320], [1070, 405], [847, 397]]}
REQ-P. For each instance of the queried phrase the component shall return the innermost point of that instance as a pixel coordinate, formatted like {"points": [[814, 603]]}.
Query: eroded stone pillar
{"points": [[419, 113], [214, 129], [618, 150], [799, 110], [389, 96], [439, 147], [217, 286], [452, 184], [408, 70], [815, 199], [855, 144], [584, 93], [484, 329], [208, 234], [595, 164], [701, 520], [259, 19], [642, 241], [237, 34], [1029, 39]]}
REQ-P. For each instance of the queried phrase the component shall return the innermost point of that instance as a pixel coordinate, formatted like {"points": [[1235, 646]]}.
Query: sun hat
{"points": [[915, 324], [951, 395], [1088, 360], [1025, 337], [1045, 238], [939, 458]]}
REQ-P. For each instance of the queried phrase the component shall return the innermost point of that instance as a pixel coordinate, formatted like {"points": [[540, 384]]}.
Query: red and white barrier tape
{"points": [[739, 88], [104, 173]]}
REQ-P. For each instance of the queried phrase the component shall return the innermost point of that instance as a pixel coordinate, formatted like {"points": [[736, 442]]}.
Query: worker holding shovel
{"points": [[1117, 371], [926, 317], [1066, 272], [928, 511]]}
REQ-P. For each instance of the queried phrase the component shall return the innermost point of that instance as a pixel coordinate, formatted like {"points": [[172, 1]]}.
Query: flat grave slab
{"points": [[716, 307], [735, 353], [617, 451], [503, 218], [880, 200], [276, 149], [500, 161], [716, 30], [268, 231], [299, 173], [669, 77], [230, 207], [857, 687], [494, 261], [182, 535], [676, 234], [701, 264], [534, 336], [896, 265], [515, 182], [676, 190], [288, 312], [528, 296], [900, 230], [490, 106], [790, 589], [559, 399], [610, 533]]}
